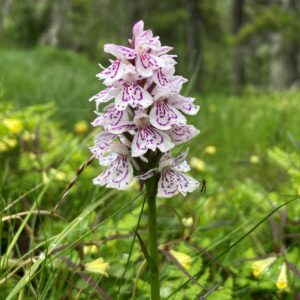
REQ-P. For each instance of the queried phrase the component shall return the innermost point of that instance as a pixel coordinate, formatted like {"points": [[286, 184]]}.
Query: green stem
{"points": [[151, 185]]}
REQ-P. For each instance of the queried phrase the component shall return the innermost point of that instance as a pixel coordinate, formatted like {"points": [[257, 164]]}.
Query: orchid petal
{"points": [[162, 50], [182, 134], [163, 116], [148, 137], [102, 144], [185, 104], [131, 93], [148, 174], [114, 120], [102, 97], [118, 175], [138, 28], [120, 52], [147, 63], [172, 182], [160, 78], [113, 73]]}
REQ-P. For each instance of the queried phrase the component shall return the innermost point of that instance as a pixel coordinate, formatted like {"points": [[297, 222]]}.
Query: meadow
{"points": [[214, 242]]}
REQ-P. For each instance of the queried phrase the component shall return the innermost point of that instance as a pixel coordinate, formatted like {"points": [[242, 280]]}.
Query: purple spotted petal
{"points": [[148, 137], [147, 63], [185, 104], [120, 52], [113, 73], [103, 96], [102, 144], [182, 134], [172, 182], [138, 28], [118, 175], [162, 50], [113, 120], [163, 116], [167, 161], [134, 95], [182, 167], [160, 78], [108, 159], [148, 174]]}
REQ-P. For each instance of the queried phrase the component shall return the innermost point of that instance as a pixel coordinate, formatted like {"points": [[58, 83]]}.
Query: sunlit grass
{"points": [[248, 153]]}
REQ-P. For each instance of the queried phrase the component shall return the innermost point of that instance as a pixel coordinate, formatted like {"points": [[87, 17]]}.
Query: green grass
{"points": [[44, 75], [233, 222]]}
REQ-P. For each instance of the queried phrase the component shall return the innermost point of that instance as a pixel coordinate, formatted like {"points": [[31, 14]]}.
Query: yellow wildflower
{"points": [[81, 127], [14, 125], [97, 266], [187, 222], [210, 150], [58, 175], [254, 159], [90, 249], [12, 143], [45, 178], [3, 147], [7, 143], [282, 282], [197, 164], [259, 266], [184, 259], [28, 136]]}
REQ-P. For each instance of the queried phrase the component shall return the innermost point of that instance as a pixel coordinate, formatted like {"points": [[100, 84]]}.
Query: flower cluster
{"points": [[262, 265], [146, 118]]}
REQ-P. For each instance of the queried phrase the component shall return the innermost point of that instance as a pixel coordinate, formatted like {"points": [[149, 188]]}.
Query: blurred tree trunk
{"points": [[193, 48], [284, 64], [278, 65], [293, 51], [59, 17], [5, 12], [238, 68]]}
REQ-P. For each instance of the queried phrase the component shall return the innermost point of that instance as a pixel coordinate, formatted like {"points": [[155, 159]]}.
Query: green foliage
{"points": [[43, 75], [272, 19], [248, 152]]}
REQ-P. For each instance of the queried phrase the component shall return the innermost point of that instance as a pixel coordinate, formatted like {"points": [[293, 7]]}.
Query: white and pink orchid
{"points": [[146, 118]]}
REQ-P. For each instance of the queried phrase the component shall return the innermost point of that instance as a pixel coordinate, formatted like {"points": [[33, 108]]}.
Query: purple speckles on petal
{"points": [[118, 175], [172, 182], [148, 137], [160, 78], [182, 134], [134, 95], [163, 116]]}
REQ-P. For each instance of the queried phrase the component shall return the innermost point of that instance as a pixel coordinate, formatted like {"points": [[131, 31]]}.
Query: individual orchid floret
{"points": [[103, 143], [131, 93], [182, 134], [103, 96], [163, 116], [148, 137], [112, 73], [167, 111], [113, 120], [172, 180], [119, 173]]}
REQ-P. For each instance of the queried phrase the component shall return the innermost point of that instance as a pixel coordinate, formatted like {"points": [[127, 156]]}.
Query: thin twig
{"points": [[73, 181]]}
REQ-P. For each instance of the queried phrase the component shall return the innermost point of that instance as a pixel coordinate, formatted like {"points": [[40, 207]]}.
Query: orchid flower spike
{"points": [[144, 117]]}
